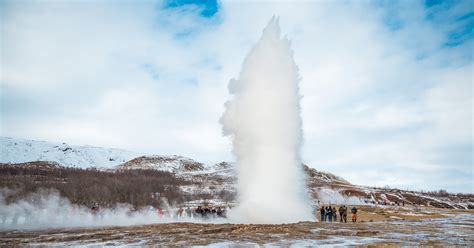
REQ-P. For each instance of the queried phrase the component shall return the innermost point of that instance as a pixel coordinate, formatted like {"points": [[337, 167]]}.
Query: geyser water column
{"points": [[264, 120]]}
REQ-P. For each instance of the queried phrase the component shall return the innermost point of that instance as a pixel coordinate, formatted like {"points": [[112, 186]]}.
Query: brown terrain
{"points": [[386, 217], [387, 227]]}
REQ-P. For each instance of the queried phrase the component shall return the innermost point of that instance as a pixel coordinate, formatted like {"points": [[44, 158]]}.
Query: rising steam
{"points": [[265, 122], [47, 209]]}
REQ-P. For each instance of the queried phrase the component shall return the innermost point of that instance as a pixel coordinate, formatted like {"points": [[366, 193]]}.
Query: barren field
{"points": [[377, 226]]}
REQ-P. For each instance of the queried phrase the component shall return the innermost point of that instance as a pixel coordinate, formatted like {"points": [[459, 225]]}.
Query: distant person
{"points": [[214, 212], [334, 214], [329, 213], [344, 213], [180, 212], [221, 212], [323, 214], [199, 211], [354, 214], [94, 210], [189, 214], [160, 212], [326, 218], [341, 213], [130, 211], [205, 212]]}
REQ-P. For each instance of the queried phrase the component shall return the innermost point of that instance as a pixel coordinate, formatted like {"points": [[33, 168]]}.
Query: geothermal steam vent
{"points": [[263, 118]]}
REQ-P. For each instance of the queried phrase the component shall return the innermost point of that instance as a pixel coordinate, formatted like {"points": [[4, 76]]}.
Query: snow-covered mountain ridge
{"points": [[22, 151]]}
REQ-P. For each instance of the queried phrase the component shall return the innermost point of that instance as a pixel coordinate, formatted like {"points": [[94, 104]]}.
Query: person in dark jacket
{"points": [[334, 214], [344, 214], [341, 213], [199, 211], [354, 214], [329, 213], [323, 214]]}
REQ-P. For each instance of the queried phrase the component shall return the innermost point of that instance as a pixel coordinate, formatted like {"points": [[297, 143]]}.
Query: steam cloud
{"points": [[265, 122], [47, 209]]}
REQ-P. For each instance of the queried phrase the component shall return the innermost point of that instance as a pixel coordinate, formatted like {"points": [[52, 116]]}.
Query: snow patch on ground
{"points": [[330, 196]]}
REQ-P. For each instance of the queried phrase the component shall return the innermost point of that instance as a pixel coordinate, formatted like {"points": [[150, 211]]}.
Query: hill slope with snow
{"points": [[215, 182], [173, 163], [21, 151]]}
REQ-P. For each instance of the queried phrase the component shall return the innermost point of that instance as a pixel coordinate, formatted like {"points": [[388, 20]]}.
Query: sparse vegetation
{"points": [[92, 187]]}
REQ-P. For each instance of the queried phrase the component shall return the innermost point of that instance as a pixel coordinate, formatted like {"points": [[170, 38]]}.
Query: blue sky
{"points": [[387, 85], [206, 8]]}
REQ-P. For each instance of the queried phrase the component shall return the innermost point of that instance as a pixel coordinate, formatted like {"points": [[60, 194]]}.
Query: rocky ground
{"points": [[381, 226]]}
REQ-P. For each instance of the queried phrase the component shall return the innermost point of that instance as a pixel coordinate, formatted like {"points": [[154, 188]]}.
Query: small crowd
{"points": [[329, 214], [200, 211], [205, 211]]}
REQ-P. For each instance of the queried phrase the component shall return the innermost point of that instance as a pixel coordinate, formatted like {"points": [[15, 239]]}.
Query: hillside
{"points": [[36, 164], [21, 151], [162, 163]]}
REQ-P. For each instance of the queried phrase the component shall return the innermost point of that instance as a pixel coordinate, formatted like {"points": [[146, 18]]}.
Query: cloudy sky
{"points": [[387, 86]]}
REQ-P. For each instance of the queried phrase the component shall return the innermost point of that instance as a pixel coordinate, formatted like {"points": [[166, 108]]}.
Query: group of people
{"points": [[206, 211], [329, 214], [385, 202], [175, 213], [200, 211]]}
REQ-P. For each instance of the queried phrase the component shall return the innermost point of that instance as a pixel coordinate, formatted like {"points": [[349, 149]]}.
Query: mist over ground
{"points": [[46, 209]]}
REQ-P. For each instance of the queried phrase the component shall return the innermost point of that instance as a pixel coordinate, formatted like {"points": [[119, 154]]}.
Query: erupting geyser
{"points": [[265, 122]]}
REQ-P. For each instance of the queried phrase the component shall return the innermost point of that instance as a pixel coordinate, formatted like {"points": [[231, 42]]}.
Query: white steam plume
{"points": [[265, 122]]}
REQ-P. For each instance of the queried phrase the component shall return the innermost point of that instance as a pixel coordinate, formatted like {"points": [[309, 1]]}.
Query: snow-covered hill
{"points": [[216, 181], [21, 151], [176, 164]]}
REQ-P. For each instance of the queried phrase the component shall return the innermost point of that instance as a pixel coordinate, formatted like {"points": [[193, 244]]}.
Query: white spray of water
{"points": [[265, 122]]}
